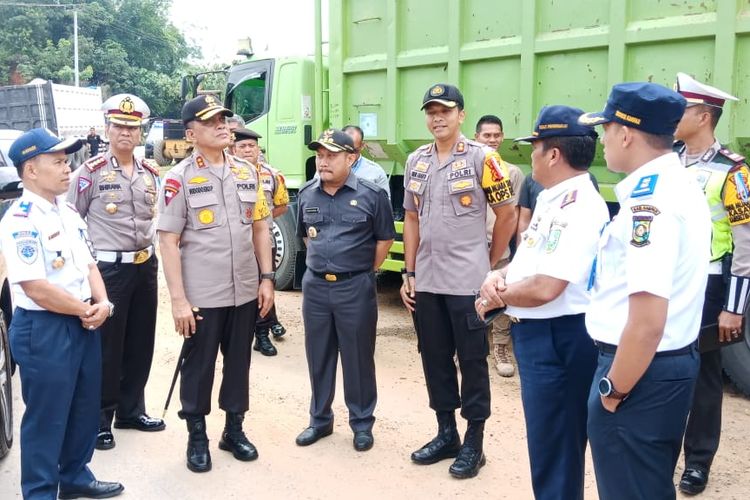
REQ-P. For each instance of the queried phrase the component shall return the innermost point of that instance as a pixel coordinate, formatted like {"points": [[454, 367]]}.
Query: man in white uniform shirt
{"points": [[649, 282], [546, 293]]}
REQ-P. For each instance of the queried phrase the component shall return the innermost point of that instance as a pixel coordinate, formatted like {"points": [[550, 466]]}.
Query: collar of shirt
{"points": [[351, 182], [357, 163], [43, 204], [563, 187], [625, 187]]}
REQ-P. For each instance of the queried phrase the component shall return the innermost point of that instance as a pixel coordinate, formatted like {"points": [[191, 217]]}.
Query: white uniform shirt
{"points": [[45, 241], [561, 242], [659, 243]]}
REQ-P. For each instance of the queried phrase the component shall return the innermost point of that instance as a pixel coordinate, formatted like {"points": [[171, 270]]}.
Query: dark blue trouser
{"points": [[60, 365], [341, 317], [556, 362], [635, 449]]}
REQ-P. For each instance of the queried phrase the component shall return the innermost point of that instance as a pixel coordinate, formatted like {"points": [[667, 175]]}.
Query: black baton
{"points": [[187, 346]]}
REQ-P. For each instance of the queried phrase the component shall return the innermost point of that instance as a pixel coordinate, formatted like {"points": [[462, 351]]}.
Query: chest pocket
{"points": [[463, 195], [352, 225], [112, 196], [205, 211], [247, 199]]}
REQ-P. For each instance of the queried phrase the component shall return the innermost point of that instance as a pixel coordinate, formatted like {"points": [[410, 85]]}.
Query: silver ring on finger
{"points": [[484, 303]]}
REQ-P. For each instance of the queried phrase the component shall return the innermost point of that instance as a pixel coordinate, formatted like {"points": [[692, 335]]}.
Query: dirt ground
{"points": [[152, 466]]}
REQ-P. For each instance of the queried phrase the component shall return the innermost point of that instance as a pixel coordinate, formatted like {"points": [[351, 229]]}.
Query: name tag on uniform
{"points": [[312, 210], [422, 176], [464, 172]]}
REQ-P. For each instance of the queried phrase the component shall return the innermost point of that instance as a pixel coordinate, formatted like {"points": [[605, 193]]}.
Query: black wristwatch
{"points": [[268, 276], [607, 390]]}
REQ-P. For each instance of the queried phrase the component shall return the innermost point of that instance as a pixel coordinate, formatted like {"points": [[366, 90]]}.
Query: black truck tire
{"points": [[287, 246], [735, 359], [159, 154], [6, 391]]}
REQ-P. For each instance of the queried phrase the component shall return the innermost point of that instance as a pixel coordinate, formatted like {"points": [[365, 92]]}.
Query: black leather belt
{"points": [[612, 349], [337, 276]]}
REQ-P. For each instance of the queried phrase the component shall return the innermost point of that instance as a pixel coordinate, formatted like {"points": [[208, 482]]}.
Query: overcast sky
{"points": [[283, 27]]}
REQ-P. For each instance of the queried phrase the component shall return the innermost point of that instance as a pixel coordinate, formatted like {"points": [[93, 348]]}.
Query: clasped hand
{"points": [[489, 295]]}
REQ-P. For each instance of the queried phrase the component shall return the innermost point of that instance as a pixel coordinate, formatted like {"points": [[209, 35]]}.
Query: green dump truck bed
{"points": [[512, 57]]}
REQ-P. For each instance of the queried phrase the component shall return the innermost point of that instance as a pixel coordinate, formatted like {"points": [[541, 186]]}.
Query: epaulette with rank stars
{"points": [[735, 158], [425, 148], [95, 163], [151, 166]]}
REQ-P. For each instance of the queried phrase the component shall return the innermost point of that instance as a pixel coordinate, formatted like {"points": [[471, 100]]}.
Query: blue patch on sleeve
{"points": [[645, 186]]}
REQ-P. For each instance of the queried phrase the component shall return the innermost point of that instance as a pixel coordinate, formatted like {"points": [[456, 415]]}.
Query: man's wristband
{"points": [[268, 276]]}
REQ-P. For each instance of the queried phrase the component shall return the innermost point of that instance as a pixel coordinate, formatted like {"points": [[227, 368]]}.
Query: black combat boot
{"points": [[263, 343], [278, 330], [471, 457], [233, 439], [198, 456], [445, 445]]}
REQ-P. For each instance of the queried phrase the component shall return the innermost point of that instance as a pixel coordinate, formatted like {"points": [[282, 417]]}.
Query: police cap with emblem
{"points": [[442, 93], [649, 107], [202, 108], [558, 121], [126, 109], [696, 92], [333, 140], [243, 134], [38, 141]]}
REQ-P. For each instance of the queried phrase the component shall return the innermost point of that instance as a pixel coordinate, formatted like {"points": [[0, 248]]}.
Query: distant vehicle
{"points": [[155, 135]]}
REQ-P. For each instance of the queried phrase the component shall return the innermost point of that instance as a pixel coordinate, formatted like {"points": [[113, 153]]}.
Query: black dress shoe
{"points": [[105, 440], [312, 434], [693, 481], [468, 462], [363, 440], [95, 489], [141, 423], [278, 330], [445, 445]]}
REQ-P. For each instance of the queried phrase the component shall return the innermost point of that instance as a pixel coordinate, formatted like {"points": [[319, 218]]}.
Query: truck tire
{"points": [[735, 359], [6, 391], [159, 154], [287, 246]]}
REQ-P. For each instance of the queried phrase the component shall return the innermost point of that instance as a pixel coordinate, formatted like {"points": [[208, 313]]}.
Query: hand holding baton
{"points": [[187, 346]]}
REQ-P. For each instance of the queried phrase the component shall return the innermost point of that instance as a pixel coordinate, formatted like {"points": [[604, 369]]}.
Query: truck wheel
{"points": [[6, 392], [287, 246], [735, 359], [159, 154]]}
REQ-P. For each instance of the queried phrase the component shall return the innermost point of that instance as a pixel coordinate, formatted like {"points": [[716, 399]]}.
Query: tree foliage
{"points": [[123, 46]]}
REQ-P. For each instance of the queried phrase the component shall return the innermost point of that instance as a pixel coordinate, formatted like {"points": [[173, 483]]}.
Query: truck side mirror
{"points": [[183, 87]]}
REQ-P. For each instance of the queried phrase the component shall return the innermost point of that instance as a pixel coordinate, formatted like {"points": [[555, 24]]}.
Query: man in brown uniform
{"points": [[213, 224], [448, 185], [116, 194], [489, 131], [272, 183]]}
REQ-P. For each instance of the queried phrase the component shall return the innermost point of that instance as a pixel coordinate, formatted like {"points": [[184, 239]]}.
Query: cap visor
{"points": [[125, 122], [211, 112], [313, 146], [526, 139], [67, 145], [592, 119], [447, 104]]}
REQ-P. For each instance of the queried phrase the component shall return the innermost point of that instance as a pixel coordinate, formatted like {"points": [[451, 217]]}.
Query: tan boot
{"points": [[503, 361]]}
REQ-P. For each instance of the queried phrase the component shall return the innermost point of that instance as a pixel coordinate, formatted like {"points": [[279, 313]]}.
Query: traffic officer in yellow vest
{"points": [[723, 176], [272, 183], [545, 289], [649, 279], [449, 183], [60, 304], [212, 226], [116, 194]]}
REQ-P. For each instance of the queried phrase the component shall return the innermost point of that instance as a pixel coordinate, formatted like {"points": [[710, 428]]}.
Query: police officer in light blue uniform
{"points": [[650, 275], [60, 304]]}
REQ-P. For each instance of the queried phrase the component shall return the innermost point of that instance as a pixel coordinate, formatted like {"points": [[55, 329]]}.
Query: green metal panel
{"points": [[513, 57]]}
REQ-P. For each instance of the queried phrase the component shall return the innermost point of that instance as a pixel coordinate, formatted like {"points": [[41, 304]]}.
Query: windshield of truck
{"points": [[248, 97]]}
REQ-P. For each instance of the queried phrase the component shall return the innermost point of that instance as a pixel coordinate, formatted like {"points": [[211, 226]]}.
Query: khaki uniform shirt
{"points": [[451, 200], [273, 185], [120, 211], [213, 210]]}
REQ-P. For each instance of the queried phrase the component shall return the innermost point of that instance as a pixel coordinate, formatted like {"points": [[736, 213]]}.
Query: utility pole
{"points": [[75, 47]]}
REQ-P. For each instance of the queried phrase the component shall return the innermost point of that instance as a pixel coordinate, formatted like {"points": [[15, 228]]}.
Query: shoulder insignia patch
{"points": [[95, 163], [83, 184], [645, 186], [492, 161], [24, 208], [151, 166], [641, 230], [570, 197], [645, 208], [728, 153], [171, 188]]}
